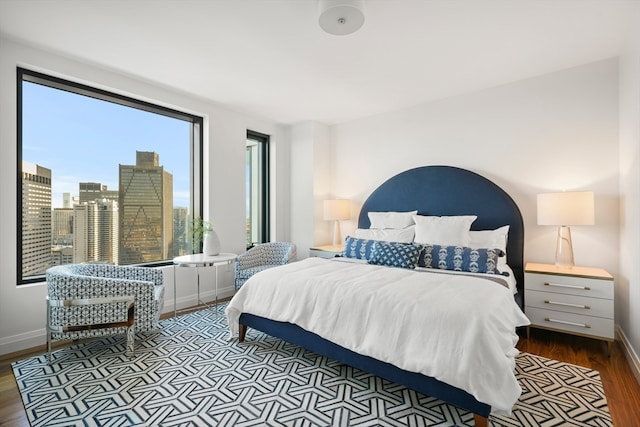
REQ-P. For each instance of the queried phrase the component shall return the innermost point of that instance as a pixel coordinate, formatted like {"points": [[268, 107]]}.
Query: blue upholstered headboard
{"points": [[447, 190]]}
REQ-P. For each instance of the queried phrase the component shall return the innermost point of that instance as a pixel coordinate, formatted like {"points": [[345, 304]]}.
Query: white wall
{"points": [[628, 282], [22, 308], [311, 183], [549, 133]]}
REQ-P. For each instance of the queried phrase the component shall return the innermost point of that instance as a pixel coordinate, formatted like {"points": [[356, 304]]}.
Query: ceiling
{"points": [[271, 59]]}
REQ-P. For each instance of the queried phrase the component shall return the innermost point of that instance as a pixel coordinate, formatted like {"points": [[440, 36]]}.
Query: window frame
{"points": [[263, 141], [195, 154]]}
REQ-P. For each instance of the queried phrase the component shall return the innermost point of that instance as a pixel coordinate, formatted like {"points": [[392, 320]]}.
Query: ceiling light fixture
{"points": [[341, 17]]}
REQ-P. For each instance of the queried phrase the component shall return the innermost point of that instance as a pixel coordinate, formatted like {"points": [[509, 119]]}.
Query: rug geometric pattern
{"points": [[189, 374]]}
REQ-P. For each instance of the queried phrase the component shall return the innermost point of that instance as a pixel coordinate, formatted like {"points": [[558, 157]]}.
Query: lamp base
{"points": [[564, 247], [337, 234]]}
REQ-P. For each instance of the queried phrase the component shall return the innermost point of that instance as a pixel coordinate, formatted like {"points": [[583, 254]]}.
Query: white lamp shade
{"points": [[566, 208], [336, 210]]}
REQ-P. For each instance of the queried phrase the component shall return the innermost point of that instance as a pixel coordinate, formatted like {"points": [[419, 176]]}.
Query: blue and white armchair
{"points": [[261, 257], [93, 300]]}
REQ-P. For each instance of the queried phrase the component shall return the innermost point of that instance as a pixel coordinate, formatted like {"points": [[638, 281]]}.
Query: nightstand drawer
{"points": [[583, 286], [584, 325], [599, 307]]}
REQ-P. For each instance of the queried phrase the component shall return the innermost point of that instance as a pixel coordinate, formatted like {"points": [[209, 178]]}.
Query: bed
{"points": [[432, 191]]}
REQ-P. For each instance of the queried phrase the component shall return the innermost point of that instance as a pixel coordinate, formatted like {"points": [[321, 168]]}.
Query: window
{"points": [[257, 190], [103, 177]]}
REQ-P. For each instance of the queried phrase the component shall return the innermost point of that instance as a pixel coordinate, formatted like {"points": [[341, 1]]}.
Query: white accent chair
{"points": [[263, 256], [94, 300]]}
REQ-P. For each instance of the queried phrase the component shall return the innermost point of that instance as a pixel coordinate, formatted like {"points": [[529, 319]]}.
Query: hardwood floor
{"points": [[11, 410], [621, 387]]}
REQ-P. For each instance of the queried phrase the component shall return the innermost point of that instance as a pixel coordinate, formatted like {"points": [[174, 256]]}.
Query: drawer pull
{"points": [[582, 325], [566, 304], [560, 285]]}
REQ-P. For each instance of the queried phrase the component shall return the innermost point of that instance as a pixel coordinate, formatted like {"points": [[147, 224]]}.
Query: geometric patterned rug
{"points": [[189, 374]]}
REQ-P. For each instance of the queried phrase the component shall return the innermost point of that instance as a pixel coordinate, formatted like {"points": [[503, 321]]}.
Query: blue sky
{"points": [[82, 139]]}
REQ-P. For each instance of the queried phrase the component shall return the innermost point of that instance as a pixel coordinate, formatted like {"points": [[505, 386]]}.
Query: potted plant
{"points": [[202, 232]]}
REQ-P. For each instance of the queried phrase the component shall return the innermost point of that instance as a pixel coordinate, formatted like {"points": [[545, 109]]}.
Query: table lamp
{"points": [[337, 210], [563, 210]]}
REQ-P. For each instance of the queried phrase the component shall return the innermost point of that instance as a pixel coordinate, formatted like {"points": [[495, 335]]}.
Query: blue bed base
{"points": [[431, 190], [426, 385]]}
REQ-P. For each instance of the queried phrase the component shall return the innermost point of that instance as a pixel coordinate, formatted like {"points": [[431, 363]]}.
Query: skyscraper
{"points": [[92, 191], [67, 201], [36, 219], [180, 230], [62, 227], [95, 238], [146, 210], [108, 231], [85, 241], [61, 255]]}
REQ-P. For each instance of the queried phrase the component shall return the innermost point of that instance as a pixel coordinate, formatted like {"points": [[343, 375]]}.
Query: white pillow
{"points": [[393, 220], [443, 230], [491, 239], [403, 235]]}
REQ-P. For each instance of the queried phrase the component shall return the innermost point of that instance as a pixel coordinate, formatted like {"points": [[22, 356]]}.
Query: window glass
{"points": [[257, 188], [104, 178]]}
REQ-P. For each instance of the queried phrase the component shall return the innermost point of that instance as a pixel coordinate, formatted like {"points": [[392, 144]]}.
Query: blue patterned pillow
{"points": [[358, 248], [394, 254], [459, 258]]}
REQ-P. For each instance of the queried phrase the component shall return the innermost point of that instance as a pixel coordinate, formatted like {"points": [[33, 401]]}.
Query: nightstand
{"points": [[576, 300], [326, 251]]}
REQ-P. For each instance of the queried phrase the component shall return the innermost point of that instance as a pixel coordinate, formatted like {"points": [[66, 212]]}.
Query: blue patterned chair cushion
{"points": [[260, 257], [358, 248], [86, 281], [244, 274], [394, 254], [460, 258]]}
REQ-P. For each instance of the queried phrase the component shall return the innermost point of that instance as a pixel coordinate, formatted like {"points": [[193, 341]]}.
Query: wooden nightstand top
{"points": [[329, 248], [576, 271]]}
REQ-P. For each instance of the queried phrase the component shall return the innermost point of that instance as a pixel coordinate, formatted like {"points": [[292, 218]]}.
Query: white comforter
{"points": [[458, 329]]}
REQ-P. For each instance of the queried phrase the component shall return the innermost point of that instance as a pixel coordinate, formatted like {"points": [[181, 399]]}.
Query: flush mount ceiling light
{"points": [[341, 17]]}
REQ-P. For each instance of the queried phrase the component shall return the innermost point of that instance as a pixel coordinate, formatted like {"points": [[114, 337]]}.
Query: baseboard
{"points": [[630, 354], [36, 338], [24, 341], [191, 300]]}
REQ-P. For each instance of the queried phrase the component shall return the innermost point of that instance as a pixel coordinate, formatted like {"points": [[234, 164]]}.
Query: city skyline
{"points": [[136, 224], [82, 139]]}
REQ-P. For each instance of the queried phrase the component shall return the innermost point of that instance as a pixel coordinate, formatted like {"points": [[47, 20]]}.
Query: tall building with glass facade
{"points": [[67, 201], [36, 219], [92, 191], [61, 255], [62, 227], [181, 244], [95, 238], [85, 242], [108, 231], [146, 210]]}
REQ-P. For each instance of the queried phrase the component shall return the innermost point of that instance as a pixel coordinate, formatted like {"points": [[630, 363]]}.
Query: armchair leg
{"points": [[73, 328], [48, 332], [131, 330], [131, 337], [48, 346]]}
